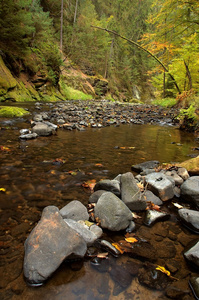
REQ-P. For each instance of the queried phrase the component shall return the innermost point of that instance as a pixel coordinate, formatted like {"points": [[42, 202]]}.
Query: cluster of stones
{"points": [[79, 115], [67, 233]]}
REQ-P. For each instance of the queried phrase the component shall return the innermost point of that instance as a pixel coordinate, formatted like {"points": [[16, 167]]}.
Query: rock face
{"points": [[160, 185], [112, 212], [50, 242], [130, 192], [74, 210], [190, 218], [190, 190]]}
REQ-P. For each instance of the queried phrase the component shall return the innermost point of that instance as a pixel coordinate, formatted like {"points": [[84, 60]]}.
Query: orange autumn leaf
{"points": [[118, 247], [99, 165], [90, 184], [131, 240]]}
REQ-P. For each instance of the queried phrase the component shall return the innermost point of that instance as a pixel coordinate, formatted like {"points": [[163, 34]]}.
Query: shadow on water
{"points": [[33, 179]]}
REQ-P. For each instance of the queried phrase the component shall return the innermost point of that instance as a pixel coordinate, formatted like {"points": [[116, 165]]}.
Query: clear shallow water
{"points": [[33, 181]]}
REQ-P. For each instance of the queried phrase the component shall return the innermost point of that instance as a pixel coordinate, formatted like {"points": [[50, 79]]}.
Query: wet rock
{"points": [[84, 231], [145, 165], [108, 185], [190, 190], [130, 193], [131, 227], [148, 196], [96, 230], [24, 131], [112, 212], [95, 196], [192, 255], [160, 185], [153, 278], [107, 246], [28, 136], [194, 285], [74, 210], [50, 242], [190, 218], [100, 264], [42, 129], [152, 216], [177, 290]]}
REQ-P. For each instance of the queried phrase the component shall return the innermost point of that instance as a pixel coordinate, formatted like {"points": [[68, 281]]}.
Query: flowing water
{"points": [[50, 171]]}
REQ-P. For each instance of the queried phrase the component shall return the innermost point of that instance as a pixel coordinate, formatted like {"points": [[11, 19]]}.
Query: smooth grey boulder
{"points": [[95, 196], [42, 129], [160, 185], [130, 193], [190, 218], [108, 185], [152, 216], [74, 210], [151, 164], [83, 230], [148, 196], [48, 245], [112, 212], [96, 230], [192, 255], [190, 190]]}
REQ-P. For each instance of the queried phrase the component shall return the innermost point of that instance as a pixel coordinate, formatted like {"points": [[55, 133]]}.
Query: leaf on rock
{"points": [[131, 240], [163, 270], [89, 224], [152, 206], [117, 246]]}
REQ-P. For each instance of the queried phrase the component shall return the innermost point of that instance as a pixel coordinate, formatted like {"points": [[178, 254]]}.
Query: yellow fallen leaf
{"points": [[163, 270], [117, 247], [131, 240], [102, 255], [89, 224], [2, 190]]}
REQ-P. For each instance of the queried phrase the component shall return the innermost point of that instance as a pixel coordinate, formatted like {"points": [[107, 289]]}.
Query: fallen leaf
{"points": [[73, 173], [177, 205], [163, 270], [2, 190], [152, 206], [89, 224], [117, 246], [102, 255], [98, 165], [3, 148], [131, 240], [89, 184]]}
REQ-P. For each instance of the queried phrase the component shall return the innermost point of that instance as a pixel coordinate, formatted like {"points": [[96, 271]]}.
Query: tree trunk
{"points": [[75, 15], [147, 51], [61, 26], [188, 75]]}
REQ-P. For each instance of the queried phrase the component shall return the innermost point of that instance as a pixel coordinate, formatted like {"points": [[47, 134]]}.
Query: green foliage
{"points": [[188, 118], [70, 93], [10, 111], [165, 102]]}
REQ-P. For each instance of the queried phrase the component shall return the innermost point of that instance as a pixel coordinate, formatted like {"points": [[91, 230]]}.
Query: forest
{"points": [[127, 50]]}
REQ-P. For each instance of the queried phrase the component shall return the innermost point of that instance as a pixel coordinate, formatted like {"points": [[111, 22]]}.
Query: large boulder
{"points": [[112, 212], [74, 210], [48, 245], [130, 193], [191, 165], [190, 218], [190, 190], [160, 185]]}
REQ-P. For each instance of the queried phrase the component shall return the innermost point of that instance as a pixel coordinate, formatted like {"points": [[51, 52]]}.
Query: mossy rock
{"points": [[192, 165], [10, 111]]}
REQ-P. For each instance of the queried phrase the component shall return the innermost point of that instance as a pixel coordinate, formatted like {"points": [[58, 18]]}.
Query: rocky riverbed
{"points": [[31, 183]]}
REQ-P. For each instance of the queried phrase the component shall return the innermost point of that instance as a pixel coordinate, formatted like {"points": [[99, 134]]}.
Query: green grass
{"points": [[10, 111], [71, 94], [165, 102]]}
